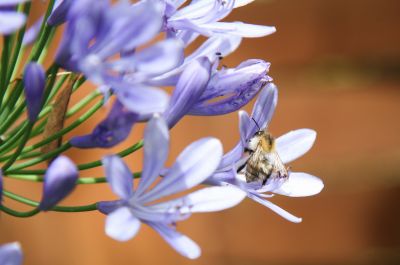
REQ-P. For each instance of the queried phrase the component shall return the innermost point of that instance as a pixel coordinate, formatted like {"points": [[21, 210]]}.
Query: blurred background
{"points": [[337, 66]]}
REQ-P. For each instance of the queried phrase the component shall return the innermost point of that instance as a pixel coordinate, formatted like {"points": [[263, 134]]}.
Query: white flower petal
{"points": [[11, 21], [181, 243], [294, 144], [121, 225], [288, 216], [156, 148], [210, 199], [194, 165], [240, 3], [240, 29], [300, 185], [118, 176]]}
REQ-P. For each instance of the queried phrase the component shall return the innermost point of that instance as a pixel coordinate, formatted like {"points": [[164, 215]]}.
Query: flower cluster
{"points": [[131, 51]]}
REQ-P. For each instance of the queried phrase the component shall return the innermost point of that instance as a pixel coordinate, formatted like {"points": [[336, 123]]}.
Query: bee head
{"points": [[255, 140]]}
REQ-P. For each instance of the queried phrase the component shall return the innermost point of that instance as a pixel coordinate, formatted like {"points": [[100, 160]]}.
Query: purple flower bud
{"points": [[34, 83], [59, 13], [109, 132], [11, 254], [59, 181]]}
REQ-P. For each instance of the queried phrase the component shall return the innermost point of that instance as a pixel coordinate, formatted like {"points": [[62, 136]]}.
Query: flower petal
{"points": [[211, 48], [189, 89], [142, 99], [244, 124], [32, 33], [288, 216], [263, 109], [240, 29], [118, 176], [181, 243], [160, 57], [156, 148], [294, 144], [300, 185], [121, 224], [197, 162], [34, 84], [11, 21], [109, 132], [11, 254], [59, 180], [209, 199], [231, 89]]}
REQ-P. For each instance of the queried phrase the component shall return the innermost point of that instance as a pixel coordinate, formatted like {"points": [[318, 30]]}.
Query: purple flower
{"points": [[111, 131], [289, 147], [97, 32], [190, 87], [203, 18], [232, 88], [34, 84], [142, 205], [59, 181], [11, 254], [10, 20], [213, 48]]}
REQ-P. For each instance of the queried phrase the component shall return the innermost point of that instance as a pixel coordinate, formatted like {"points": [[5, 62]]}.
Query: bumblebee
{"points": [[264, 162]]}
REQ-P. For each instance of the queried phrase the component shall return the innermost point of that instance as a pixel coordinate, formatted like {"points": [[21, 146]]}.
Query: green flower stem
{"points": [[44, 34], [13, 66], [20, 147], [38, 129], [19, 214], [47, 45], [85, 180], [13, 141], [15, 169], [83, 208], [4, 65], [123, 153], [37, 160]]}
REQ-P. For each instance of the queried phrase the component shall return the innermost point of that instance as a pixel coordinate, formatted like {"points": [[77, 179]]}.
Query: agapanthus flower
{"points": [[142, 205], [98, 32], [289, 147], [34, 83], [59, 181], [11, 254], [203, 18], [197, 92], [10, 20]]}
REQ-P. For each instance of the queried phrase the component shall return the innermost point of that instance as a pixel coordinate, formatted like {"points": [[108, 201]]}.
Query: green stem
{"points": [[45, 33], [4, 66], [20, 147], [37, 160], [81, 208], [19, 214]]}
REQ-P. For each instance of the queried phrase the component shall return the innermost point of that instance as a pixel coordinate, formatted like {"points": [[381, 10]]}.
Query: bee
{"points": [[264, 162]]}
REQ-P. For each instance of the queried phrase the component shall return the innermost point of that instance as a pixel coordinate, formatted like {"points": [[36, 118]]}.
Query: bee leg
{"points": [[241, 168]]}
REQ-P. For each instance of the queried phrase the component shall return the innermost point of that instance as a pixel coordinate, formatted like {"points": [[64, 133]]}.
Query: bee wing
{"points": [[276, 161]]}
